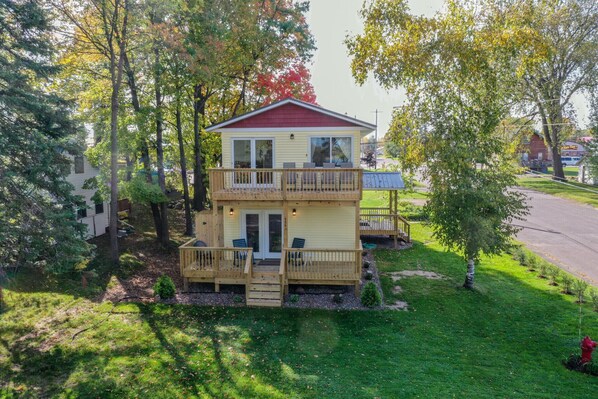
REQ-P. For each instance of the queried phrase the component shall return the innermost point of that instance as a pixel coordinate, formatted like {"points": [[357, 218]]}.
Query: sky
{"points": [[330, 22]]}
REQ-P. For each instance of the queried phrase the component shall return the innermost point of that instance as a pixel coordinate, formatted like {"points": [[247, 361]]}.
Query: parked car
{"points": [[570, 161]]}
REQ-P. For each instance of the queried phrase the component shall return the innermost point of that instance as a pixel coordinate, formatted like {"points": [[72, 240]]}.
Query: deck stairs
{"points": [[264, 290]]}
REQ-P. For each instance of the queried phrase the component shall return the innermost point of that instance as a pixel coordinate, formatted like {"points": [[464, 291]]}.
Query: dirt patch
{"points": [[396, 276]]}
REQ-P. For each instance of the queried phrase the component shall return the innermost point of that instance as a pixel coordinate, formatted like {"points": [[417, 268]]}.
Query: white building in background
{"points": [[93, 215]]}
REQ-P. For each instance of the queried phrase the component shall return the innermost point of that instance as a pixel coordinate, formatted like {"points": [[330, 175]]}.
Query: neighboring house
{"points": [[289, 191], [535, 149], [93, 215]]}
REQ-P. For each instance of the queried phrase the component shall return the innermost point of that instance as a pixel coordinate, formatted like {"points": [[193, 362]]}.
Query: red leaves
{"points": [[294, 81]]}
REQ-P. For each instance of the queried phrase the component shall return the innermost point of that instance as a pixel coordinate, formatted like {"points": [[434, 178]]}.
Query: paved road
{"points": [[563, 232]]}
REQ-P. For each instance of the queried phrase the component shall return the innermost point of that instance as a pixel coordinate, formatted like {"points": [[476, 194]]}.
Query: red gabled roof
{"points": [[291, 113]]}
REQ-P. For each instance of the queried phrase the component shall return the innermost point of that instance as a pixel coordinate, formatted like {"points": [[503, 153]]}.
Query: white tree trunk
{"points": [[470, 274]]}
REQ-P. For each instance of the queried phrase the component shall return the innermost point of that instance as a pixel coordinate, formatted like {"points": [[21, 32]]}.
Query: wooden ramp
{"points": [[264, 290]]}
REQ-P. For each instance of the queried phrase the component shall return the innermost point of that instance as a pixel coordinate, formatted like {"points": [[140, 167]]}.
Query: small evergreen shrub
{"points": [[366, 264], [164, 287], [369, 275], [294, 298], [520, 256], [370, 296], [554, 273], [579, 288], [543, 267], [237, 299], [566, 283], [337, 298], [532, 263]]}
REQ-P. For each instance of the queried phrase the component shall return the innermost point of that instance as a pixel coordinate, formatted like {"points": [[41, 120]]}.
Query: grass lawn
{"points": [[505, 339], [571, 172], [548, 186]]}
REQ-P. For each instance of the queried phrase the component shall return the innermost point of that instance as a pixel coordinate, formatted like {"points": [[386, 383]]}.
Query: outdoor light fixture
{"points": [[231, 212], [294, 212], [292, 136]]}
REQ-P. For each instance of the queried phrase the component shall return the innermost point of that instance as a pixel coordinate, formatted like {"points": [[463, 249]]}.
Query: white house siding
{"points": [[96, 224], [287, 149]]}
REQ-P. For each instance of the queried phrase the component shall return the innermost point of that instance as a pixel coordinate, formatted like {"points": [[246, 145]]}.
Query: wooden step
{"points": [[264, 295], [264, 287], [270, 303]]}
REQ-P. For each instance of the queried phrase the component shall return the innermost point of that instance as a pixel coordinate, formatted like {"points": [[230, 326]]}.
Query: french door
{"points": [[263, 231], [253, 154]]}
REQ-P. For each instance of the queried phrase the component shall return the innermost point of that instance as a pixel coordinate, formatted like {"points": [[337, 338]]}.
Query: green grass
{"points": [[570, 171], [505, 339], [548, 186], [377, 199]]}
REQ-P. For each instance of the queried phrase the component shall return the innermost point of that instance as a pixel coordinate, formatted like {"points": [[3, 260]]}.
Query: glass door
{"points": [[254, 154], [263, 231]]}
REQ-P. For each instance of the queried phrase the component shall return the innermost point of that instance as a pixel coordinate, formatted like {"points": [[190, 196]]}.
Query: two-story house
{"points": [[288, 193]]}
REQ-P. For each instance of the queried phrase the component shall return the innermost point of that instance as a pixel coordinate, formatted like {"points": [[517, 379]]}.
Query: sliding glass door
{"points": [[253, 154]]}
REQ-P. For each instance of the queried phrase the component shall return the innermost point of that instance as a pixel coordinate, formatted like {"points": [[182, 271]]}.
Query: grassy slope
{"points": [[548, 186], [505, 339]]}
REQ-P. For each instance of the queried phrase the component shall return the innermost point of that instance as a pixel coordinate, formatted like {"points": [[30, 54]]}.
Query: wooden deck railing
{"points": [[286, 184], [322, 264], [212, 262], [382, 221]]}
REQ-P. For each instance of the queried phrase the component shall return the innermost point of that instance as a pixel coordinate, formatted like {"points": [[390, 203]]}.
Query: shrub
{"points": [[591, 368], [573, 362], [370, 296], [164, 287], [532, 262], [366, 264], [543, 267], [237, 299], [294, 298], [337, 298], [553, 274], [520, 256], [566, 282], [579, 288], [369, 275], [594, 298]]}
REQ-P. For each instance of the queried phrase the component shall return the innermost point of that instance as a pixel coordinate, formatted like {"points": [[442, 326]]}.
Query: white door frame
{"points": [[264, 232]]}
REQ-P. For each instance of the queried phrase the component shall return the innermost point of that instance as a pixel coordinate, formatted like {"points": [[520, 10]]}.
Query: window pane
{"points": [[263, 153], [320, 150], [79, 164], [242, 153], [99, 208], [275, 233], [81, 213], [341, 149], [252, 230]]}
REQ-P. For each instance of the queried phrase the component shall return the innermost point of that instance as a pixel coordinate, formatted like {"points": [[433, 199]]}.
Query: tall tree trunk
{"points": [[199, 109], [470, 274], [145, 156], [179, 130], [165, 236]]}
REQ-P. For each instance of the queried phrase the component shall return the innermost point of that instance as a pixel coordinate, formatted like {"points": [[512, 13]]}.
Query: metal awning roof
{"points": [[383, 181]]}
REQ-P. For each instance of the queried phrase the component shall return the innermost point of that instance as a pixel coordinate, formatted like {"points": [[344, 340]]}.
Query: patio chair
{"points": [[298, 243], [347, 179], [328, 178], [240, 256], [291, 176], [309, 179]]}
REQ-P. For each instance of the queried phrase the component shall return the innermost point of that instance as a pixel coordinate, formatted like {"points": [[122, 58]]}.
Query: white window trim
{"points": [[330, 137]]}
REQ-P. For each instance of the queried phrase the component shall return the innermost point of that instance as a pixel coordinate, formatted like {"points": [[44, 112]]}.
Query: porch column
{"points": [[215, 233]]}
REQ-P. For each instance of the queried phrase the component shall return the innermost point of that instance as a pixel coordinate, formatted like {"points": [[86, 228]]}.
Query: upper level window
{"points": [[330, 149], [79, 164], [253, 153], [99, 208]]}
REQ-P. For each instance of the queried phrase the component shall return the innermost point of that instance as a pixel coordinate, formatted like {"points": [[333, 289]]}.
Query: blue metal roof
{"points": [[383, 181]]}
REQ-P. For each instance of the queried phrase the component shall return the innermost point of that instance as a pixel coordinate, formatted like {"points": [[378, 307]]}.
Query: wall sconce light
{"points": [[231, 212], [294, 212], [292, 136]]}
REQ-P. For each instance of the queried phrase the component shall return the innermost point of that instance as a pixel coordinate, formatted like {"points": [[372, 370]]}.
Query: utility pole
{"points": [[376, 139]]}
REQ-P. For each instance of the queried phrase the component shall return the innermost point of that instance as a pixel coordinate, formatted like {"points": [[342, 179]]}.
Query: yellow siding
{"points": [[285, 149], [322, 227]]}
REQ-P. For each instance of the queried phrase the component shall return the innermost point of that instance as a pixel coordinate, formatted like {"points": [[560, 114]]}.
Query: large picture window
{"points": [[330, 149]]}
